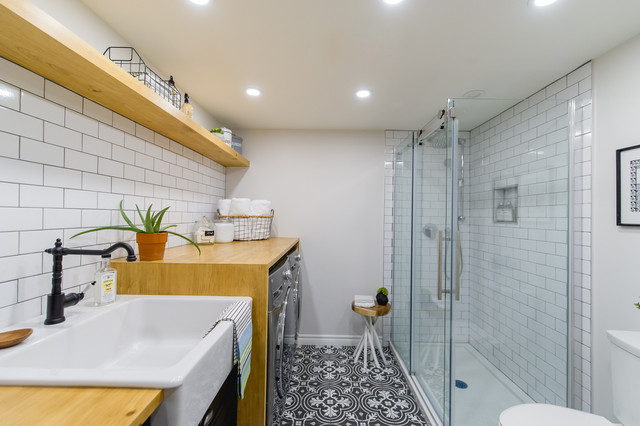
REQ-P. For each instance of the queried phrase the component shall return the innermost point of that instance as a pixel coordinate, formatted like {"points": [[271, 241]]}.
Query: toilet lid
{"points": [[549, 415]]}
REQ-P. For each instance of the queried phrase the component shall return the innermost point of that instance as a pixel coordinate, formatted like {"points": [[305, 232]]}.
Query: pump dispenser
{"points": [[105, 287], [187, 108]]}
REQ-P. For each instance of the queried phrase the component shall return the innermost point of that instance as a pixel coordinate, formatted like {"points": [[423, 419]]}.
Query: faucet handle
{"points": [[57, 247]]}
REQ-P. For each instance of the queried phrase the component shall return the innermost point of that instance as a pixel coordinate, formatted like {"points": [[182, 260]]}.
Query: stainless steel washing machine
{"points": [[281, 339]]}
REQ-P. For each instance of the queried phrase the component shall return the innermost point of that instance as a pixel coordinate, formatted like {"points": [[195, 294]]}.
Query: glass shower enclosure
{"points": [[480, 252]]}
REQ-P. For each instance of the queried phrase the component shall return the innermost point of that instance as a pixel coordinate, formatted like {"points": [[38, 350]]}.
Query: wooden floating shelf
{"points": [[31, 38]]}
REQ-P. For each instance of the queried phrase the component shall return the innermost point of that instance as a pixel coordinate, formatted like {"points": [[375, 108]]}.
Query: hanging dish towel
{"points": [[240, 314]]}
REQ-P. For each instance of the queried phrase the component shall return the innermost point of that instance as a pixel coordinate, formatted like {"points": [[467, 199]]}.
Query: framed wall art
{"points": [[628, 186]]}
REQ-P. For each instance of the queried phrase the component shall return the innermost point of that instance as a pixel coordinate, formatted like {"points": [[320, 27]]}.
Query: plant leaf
{"points": [[158, 219], [164, 228], [126, 219], [119, 228], [141, 217], [145, 223], [148, 225], [185, 238]]}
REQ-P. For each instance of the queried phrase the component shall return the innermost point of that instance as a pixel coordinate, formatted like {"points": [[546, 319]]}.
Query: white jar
{"points": [[223, 231]]}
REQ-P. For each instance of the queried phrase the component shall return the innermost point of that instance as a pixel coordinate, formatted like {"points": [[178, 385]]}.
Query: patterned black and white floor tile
{"points": [[328, 388]]}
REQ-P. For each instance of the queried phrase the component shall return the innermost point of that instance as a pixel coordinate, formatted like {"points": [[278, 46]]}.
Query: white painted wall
{"points": [[78, 18], [616, 250], [327, 188]]}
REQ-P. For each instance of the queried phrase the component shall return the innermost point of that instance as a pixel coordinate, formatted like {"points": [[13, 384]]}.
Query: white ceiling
{"points": [[310, 56]]}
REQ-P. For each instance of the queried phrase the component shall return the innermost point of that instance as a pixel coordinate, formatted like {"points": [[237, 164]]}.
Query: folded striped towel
{"points": [[240, 314], [363, 301]]}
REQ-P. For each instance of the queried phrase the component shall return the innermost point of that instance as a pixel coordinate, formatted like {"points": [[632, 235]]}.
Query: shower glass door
{"points": [[423, 257], [485, 298], [432, 277], [402, 226]]}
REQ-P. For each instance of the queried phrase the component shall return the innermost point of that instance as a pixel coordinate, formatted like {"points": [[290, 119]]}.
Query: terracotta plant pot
{"points": [[151, 246]]}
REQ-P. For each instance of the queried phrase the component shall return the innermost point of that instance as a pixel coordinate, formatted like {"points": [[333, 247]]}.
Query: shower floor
{"points": [[489, 391]]}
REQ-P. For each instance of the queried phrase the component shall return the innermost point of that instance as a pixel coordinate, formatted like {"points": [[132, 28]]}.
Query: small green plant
{"points": [[216, 130], [383, 290], [637, 305], [151, 224]]}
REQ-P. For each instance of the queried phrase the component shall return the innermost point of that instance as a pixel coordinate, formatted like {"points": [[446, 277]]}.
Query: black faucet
{"points": [[57, 300]]}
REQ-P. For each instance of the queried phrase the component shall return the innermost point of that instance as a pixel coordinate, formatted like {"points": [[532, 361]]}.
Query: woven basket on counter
{"points": [[247, 228]]}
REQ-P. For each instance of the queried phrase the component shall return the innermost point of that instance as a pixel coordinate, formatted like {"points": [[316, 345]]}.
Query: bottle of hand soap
{"points": [[187, 108], [106, 283]]}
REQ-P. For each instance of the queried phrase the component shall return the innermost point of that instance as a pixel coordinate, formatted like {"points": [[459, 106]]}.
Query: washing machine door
{"points": [[296, 270], [284, 346]]}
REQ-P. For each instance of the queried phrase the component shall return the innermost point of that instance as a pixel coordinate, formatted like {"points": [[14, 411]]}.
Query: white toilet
{"points": [[625, 369]]}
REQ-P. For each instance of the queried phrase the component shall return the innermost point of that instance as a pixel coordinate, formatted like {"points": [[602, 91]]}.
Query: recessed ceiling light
{"points": [[364, 93], [200, 1], [541, 3], [392, 1], [253, 91]]}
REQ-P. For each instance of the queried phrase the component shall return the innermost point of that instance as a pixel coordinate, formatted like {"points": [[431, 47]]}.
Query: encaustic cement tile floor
{"points": [[328, 388]]}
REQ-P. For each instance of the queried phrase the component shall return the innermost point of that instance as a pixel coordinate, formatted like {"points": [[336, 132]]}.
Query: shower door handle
{"points": [[441, 290], [440, 240]]}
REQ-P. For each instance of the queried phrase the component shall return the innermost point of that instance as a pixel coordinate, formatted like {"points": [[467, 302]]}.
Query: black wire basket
{"points": [[129, 60]]}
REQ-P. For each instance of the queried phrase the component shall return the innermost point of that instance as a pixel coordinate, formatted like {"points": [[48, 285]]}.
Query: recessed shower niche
{"points": [[505, 204]]}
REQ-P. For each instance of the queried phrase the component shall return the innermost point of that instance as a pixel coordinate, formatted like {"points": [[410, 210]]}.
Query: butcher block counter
{"points": [[27, 406], [240, 268]]}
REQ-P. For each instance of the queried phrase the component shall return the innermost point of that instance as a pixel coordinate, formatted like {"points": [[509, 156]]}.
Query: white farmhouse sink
{"points": [[139, 341]]}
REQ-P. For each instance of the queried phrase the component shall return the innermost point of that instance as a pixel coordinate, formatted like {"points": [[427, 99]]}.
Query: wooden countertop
{"points": [[77, 406], [262, 252]]}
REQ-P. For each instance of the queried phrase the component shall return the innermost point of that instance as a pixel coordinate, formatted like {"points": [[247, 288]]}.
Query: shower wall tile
{"points": [[58, 165]]}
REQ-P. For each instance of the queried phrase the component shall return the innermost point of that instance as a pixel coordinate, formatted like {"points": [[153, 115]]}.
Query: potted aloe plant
{"points": [[151, 236]]}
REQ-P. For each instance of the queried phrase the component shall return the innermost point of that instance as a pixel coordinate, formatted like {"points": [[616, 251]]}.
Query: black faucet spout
{"points": [[57, 300], [131, 256]]}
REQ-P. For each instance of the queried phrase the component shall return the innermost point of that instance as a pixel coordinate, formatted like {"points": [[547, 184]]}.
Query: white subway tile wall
{"points": [[581, 280], [65, 164], [518, 281], [518, 278]]}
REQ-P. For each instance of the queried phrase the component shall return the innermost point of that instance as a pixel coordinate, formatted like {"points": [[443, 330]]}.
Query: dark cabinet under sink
{"points": [[223, 410]]}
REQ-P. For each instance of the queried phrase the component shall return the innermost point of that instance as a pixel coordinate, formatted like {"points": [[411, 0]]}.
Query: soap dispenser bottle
{"points": [[187, 108], [106, 283]]}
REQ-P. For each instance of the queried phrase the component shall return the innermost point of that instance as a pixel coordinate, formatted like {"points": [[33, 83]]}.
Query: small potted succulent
{"points": [[637, 305], [151, 237], [383, 296]]}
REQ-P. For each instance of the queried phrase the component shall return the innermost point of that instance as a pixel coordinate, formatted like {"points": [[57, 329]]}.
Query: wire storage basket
{"points": [[129, 60], [248, 228]]}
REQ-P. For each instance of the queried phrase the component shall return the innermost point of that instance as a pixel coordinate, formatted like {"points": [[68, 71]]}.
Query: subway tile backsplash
{"points": [[65, 165]]}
